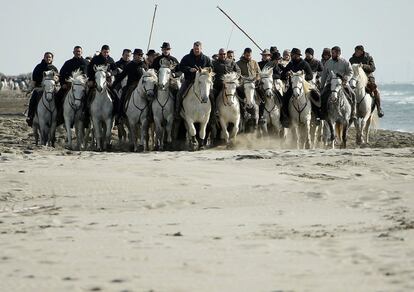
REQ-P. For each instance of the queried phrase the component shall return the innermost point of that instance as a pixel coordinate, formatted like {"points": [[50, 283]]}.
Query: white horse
{"points": [[339, 112], [45, 116], [137, 108], [101, 109], [300, 110], [72, 107], [251, 107], [272, 103], [163, 105], [228, 107], [364, 104], [197, 106]]}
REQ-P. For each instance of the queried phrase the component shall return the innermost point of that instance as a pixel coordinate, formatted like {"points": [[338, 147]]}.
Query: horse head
{"points": [[297, 79], [78, 86], [249, 87], [230, 84], [164, 74], [336, 84], [204, 81], [149, 82], [359, 76], [49, 84], [266, 82], [101, 74]]}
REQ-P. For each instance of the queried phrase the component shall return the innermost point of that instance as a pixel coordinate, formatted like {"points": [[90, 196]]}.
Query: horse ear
{"points": [[94, 68], [44, 74]]}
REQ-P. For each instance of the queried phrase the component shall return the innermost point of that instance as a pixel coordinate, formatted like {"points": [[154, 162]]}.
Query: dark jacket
{"points": [[134, 72], [296, 66], [190, 61], [71, 66], [222, 67], [315, 65], [156, 64], [367, 62], [37, 74], [262, 64], [121, 64], [99, 60]]}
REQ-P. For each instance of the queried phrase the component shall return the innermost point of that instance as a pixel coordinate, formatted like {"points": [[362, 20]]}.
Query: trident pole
{"points": [[152, 27], [240, 28]]}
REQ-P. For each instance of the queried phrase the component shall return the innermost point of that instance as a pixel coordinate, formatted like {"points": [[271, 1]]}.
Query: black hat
{"points": [[151, 52], [273, 49], [309, 51], [276, 56], [165, 45], [138, 52], [360, 48], [296, 51]]}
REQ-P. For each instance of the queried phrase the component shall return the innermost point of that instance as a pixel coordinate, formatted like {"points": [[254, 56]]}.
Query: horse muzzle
{"points": [[204, 99]]}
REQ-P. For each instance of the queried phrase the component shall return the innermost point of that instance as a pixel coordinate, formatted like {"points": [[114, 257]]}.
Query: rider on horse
{"points": [[368, 65], [189, 65], [341, 67], [70, 66], [295, 65], [134, 71], [37, 77], [102, 59]]}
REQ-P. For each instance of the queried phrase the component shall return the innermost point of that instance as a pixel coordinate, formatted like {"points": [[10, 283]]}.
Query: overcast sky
{"points": [[29, 28]]}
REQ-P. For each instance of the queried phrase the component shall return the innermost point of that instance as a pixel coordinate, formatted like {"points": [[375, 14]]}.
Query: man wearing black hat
{"points": [[188, 65], [37, 77], [134, 71], [151, 55], [368, 65], [295, 65], [165, 54]]}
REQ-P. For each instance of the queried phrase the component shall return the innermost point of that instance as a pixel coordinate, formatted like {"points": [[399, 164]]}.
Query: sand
{"points": [[216, 220]]}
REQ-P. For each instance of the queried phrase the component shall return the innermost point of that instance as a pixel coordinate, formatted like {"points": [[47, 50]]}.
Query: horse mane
{"points": [[231, 77], [306, 87], [267, 72], [78, 76], [360, 73], [150, 73], [101, 68]]}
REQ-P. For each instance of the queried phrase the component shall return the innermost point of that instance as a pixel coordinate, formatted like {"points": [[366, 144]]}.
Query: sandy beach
{"points": [[263, 219]]}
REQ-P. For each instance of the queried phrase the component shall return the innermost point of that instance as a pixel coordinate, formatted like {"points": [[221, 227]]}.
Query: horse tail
{"points": [[374, 126]]}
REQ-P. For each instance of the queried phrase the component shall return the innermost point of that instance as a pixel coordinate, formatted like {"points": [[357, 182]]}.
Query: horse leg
{"points": [[307, 134], [144, 133], [234, 132], [108, 133], [36, 135], [168, 130], [357, 124], [97, 131], [159, 141], [202, 134], [332, 134], [368, 128], [69, 134], [344, 134], [192, 134], [224, 131]]}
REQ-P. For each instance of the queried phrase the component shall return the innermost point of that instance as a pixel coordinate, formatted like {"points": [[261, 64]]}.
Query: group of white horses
{"points": [[14, 84], [150, 110]]}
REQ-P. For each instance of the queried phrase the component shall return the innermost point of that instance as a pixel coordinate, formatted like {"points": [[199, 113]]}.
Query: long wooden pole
{"points": [[152, 27], [239, 28]]}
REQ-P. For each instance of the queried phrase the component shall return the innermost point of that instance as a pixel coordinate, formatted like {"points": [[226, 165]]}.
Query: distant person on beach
{"points": [[37, 77], [368, 65]]}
